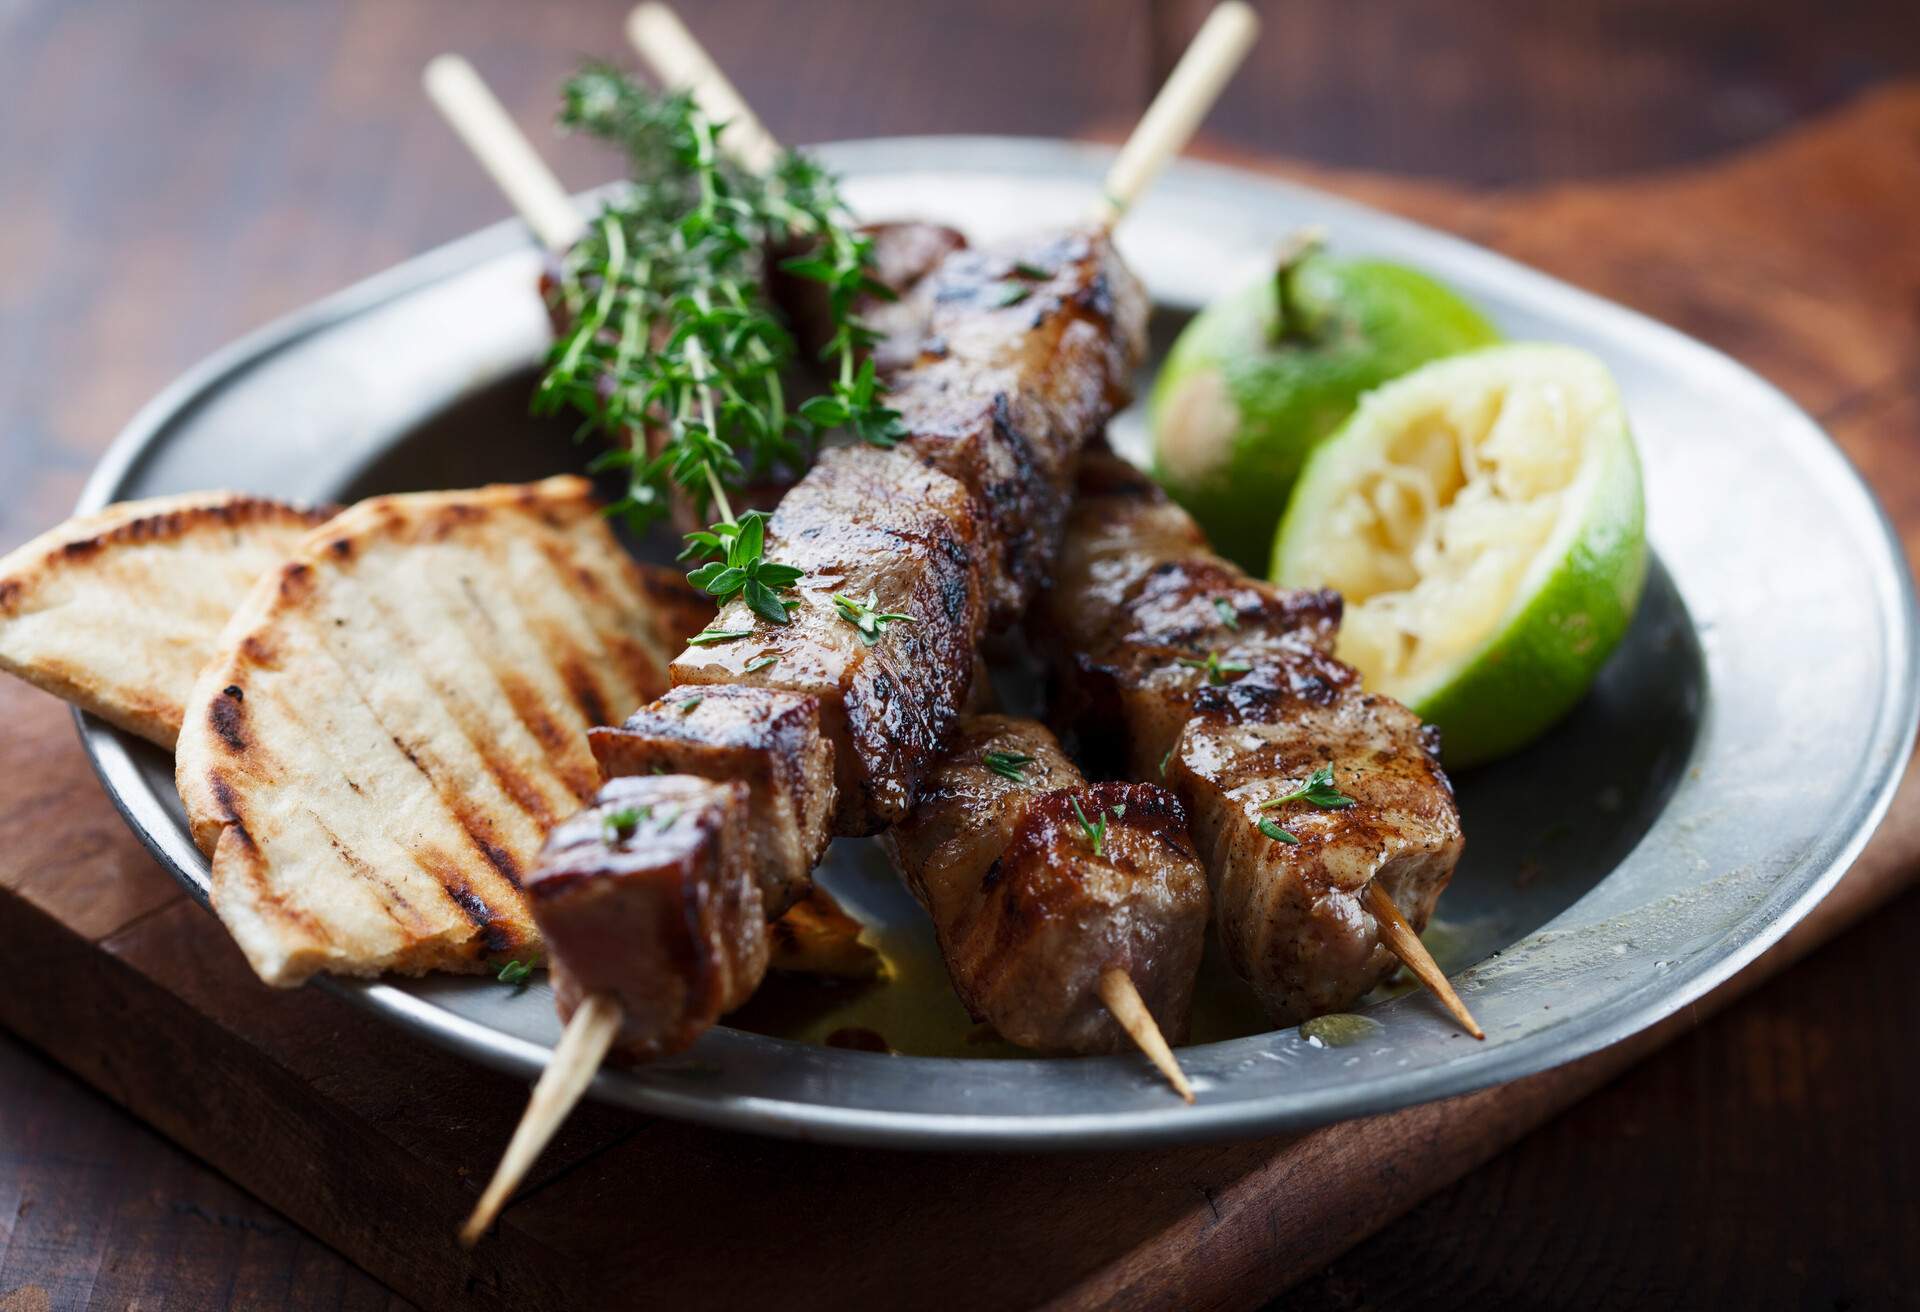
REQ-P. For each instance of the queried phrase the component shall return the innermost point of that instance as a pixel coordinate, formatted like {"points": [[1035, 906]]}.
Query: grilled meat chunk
{"points": [[904, 254], [1225, 687], [1028, 913], [1028, 351], [766, 738], [649, 895], [865, 525]]}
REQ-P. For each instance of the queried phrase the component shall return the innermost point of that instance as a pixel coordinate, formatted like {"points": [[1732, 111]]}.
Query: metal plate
{"points": [[1729, 764]]}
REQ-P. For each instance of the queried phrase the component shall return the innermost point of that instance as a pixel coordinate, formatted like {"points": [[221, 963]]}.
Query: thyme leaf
{"points": [[1008, 765], [1096, 831], [1276, 833], [618, 826], [1319, 789], [1217, 669], [862, 615], [744, 569]]}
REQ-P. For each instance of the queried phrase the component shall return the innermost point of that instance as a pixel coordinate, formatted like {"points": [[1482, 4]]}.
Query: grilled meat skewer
{"points": [[833, 719], [1227, 689], [1031, 913]]}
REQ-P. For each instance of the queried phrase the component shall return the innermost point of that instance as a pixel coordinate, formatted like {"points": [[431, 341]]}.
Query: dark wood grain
{"points": [[96, 1210], [171, 176], [1498, 92]]}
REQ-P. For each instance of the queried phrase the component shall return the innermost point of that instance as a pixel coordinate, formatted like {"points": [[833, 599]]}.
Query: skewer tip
{"points": [[1210, 59], [1123, 999], [460, 94], [589, 1034], [1399, 937]]}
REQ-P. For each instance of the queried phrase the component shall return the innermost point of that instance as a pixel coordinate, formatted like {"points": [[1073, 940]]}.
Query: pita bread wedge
{"points": [[117, 611], [396, 716]]}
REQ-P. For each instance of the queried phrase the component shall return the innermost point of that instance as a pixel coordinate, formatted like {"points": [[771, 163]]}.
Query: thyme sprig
{"points": [[1008, 765], [1096, 830], [744, 568], [1319, 789], [871, 623], [1217, 670], [670, 327], [618, 826]]}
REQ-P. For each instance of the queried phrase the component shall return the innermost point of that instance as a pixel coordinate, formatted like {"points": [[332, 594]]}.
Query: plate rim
{"points": [[1888, 749]]}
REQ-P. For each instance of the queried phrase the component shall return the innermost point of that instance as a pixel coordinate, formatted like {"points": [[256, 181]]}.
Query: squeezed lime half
{"points": [[1483, 518], [1261, 376]]}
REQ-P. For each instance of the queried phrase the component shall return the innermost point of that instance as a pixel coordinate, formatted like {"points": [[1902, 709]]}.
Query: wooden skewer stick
{"points": [[1399, 937], [678, 60], [1130, 1009], [579, 1054], [503, 151], [1189, 92]]}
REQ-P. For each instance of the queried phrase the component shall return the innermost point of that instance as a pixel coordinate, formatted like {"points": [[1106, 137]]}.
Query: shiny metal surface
{"points": [[1730, 763]]}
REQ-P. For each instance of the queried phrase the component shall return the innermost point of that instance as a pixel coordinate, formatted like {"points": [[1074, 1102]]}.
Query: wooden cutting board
{"points": [[1801, 259]]}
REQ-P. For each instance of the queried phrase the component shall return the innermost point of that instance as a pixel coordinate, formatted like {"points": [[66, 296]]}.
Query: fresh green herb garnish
{"points": [[618, 826], [1008, 765], [863, 616], [1225, 610], [743, 567], [1096, 832], [707, 637], [686, 707], [517, 973], [1276, 833], [759, 663], [671, 330], [1318, 789], [1165, 759], [1012, 293], [1217, 669], [1021, 269]]}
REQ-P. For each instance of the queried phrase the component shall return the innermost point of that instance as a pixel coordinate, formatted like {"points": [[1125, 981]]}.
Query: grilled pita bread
{"points": [[117, 611], [395, 717]]}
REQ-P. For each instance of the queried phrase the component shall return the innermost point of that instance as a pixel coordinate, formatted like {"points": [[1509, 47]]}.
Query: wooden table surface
{"points": [[172, 174]]}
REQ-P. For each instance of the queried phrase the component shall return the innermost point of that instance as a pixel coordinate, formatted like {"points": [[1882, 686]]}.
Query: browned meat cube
{"points": [[765, 738], [1039, 883], [866, 525], [649, 895]]}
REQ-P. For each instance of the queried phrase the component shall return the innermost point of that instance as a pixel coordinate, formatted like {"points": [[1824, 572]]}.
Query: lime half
{"points": [[1261, 376], [1482, 516]]}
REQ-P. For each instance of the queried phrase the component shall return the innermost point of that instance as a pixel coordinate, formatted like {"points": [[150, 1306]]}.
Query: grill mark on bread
{"points": [[494, 939], [142, 590], [230, 813], [478, 827], [588, 652], [227, 716]]}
